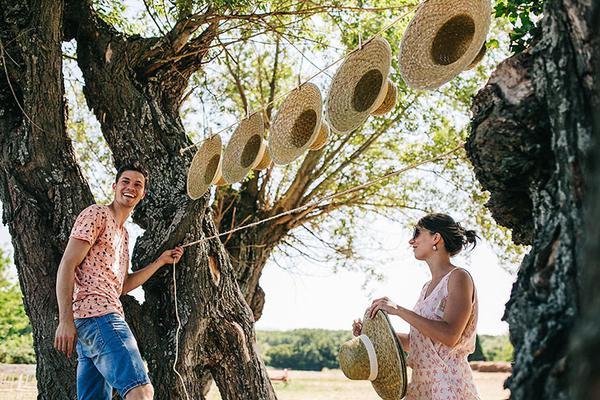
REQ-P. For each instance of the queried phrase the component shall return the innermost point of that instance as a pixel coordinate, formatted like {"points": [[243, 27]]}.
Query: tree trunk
{"points": [[136, 99], [530, 139], [586, 341], [42, 189], [137, 104]]}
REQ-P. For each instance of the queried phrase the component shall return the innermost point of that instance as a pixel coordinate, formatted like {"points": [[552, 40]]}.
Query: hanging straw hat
{"points": [[205, 168], [296, 125], [389, 102], [245, 149], [359, 86], [376, 355], [266, 161], [322, 137], [442, 39]]}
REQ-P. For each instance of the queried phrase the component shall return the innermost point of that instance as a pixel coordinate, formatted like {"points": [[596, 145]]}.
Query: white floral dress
{"points": [[440, 372]]}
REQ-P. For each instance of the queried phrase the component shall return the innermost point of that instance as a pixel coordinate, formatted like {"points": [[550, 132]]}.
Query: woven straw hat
{"points": [[376, 355], [265, 161], [245, 148], [389, 101], [442, 39], [359, 86], [296, 124], [321, 138], [205, 168], [478, 57]]}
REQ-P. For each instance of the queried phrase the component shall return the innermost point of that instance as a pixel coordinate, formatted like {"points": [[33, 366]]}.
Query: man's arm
{"points": [[64, 339], [138, 278]]}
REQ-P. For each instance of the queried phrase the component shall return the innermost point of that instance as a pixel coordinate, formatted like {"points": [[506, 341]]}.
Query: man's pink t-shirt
{"points": [[99, 278]]}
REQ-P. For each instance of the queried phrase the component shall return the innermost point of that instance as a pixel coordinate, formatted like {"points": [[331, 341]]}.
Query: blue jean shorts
{"points": [[108, 357]]}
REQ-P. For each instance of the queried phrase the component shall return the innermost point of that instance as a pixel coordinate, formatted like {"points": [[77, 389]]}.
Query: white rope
{"points": [[187, 396], [329, 197], [319, 72]]}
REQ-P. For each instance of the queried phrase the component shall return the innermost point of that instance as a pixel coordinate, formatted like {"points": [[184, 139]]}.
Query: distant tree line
{"points": [[315, 349], [16, 340]]}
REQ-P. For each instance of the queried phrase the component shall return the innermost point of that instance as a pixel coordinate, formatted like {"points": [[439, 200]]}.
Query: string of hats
{"points": [[444, 38]]}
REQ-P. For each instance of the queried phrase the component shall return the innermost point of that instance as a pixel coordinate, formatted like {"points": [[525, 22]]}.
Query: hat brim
{"points": [[204, 167], [243, 148], [417, 67], [305, 101], [374, 56], [391, 380]]}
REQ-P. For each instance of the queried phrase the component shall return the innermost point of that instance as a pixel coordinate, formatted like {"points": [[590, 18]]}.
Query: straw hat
{"points": [[478, 57], [205, 168], [376, 355], [296, 125], [389, 101], [359, 86], [442, 39], [245, 148], [266, 161], [322, 137]]}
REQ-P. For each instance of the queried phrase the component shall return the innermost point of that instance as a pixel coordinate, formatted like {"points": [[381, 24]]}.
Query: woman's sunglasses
{"points": [[417, 232]]}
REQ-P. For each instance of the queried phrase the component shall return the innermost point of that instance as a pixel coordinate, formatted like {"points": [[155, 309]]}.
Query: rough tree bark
{"points": [[531, 133], [42, 189], [134, 87], [585, 345]]}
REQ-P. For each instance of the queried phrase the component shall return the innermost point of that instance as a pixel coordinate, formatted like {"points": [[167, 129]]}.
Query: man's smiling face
{"points": [[130, 188]]}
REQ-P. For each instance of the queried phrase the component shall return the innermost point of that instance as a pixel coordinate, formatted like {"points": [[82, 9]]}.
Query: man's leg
{"points": [[91, 385], [144, 392], [120, 361]]}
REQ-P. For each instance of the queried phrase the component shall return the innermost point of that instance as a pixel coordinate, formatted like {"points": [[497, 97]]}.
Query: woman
{"points": [[444, 320]]}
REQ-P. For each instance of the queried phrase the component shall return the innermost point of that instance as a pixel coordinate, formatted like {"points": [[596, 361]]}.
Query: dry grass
{"points": [[333, 385], [19, 384]]}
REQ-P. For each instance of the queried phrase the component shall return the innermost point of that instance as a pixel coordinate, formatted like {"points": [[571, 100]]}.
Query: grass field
{"points": [[333, 385], [18, 383]]}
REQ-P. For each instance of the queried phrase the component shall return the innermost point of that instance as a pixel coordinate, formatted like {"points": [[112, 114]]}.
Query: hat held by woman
{"points": [[376, 355], [442, 40], [205, 168], [360, 86], [245, 150], [297, 127]]}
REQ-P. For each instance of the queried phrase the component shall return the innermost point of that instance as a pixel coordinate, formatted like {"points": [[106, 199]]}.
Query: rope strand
{"points": [[329, 197], [187, 396], [264, 107]]}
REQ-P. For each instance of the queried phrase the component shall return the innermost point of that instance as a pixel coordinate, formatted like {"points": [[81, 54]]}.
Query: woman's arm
{"points": [[404, 340], [456, 313]]}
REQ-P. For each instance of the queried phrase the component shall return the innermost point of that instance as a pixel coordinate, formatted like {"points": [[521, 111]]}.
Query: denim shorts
{"points": [[108, 357]]}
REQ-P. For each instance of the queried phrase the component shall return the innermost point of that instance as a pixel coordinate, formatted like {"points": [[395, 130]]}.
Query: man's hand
{"points": [[170, 256], [65, 337]]}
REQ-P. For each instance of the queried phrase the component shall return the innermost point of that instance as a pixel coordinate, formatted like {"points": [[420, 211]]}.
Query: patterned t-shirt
{"points": [[99, 278]]}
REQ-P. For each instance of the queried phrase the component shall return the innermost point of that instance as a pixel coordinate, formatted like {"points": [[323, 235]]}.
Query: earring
{"points": [[434, 247]]}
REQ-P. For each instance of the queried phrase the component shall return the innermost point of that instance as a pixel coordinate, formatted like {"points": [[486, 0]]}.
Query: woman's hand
{"points": [[384, 304], [356, 327]]}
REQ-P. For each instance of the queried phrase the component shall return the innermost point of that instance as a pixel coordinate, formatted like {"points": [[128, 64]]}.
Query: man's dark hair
{"points": [[134, 166]]}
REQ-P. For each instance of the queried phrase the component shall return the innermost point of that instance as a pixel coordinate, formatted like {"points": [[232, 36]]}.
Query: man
{"points": [[92, 275]]}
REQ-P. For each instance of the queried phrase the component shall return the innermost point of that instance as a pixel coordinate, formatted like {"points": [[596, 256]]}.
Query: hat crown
{"points": [[354, 360], [453, 39], [367, 90], [250, 151], [211, 168]]}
